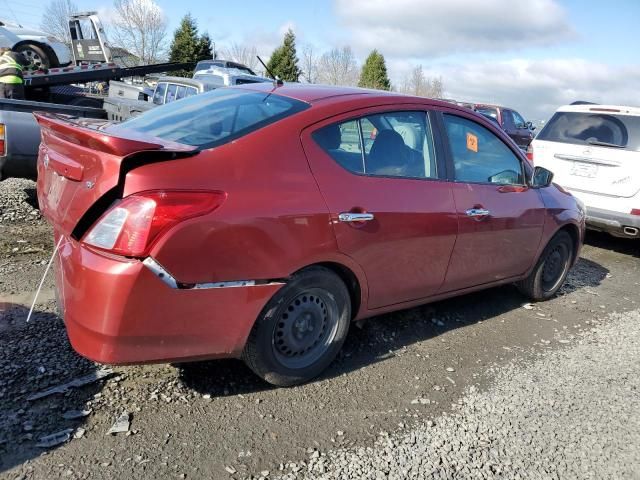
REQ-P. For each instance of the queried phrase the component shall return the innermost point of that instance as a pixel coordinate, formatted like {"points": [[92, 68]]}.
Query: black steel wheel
{"points": [[551, 270], [301, 330]]}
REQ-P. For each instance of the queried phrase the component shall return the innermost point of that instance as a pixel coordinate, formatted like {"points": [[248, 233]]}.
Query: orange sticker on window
{"points": [[472, 142]]}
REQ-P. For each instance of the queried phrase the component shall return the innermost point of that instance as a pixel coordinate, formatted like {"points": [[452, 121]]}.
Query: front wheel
{"points": [[301, 329], [37, 56], [551, 270]]}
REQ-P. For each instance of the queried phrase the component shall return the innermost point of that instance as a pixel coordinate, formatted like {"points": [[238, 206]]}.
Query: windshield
{"points": [[215, 117], [599, 129]]}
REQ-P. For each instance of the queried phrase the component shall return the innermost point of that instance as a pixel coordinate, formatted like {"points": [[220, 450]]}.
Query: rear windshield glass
{"points": [[600, 129], [215, 117]]}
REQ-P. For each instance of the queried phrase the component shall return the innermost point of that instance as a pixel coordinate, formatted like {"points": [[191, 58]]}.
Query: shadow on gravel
{"points": [[625, 246], [383, 335], [32, 197], [34, 357]]}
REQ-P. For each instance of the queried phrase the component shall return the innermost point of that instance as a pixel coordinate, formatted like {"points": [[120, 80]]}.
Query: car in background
{"points": [[594, 152], [259, 221], [42, 49], [225, 64], [510, 121]]}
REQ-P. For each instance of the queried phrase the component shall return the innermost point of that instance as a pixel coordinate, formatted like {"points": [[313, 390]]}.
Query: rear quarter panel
{"points": [[274, 220]]}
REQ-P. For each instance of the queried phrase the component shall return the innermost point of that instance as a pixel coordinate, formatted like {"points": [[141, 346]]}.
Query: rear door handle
{"points": [[355, 217], [478, 212]]}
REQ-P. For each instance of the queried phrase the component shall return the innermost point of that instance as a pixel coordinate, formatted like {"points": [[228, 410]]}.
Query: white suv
{"points": [[594, 152]]}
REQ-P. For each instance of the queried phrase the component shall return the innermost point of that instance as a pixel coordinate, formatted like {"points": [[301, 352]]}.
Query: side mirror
{"points": [[541, 177], [530, 126]]}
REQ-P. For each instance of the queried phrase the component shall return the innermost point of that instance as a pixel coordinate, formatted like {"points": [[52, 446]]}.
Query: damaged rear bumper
{"points": [[120, 311]]}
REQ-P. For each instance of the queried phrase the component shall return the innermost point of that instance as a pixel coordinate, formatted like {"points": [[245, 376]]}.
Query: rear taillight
{"points": [[132, 226], [530, 153], [635, 211], [3, 150]]}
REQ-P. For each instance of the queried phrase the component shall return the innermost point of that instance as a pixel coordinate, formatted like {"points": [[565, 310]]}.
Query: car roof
{"points": [[312, 93], [595, 108]]}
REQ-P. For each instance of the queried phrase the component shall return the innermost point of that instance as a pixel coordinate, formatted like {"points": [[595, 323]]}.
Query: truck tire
{"points": [[86, 102]]}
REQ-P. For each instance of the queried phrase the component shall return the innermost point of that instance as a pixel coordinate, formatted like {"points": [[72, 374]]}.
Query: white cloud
{"points": [[537, 87], [428, 28]]}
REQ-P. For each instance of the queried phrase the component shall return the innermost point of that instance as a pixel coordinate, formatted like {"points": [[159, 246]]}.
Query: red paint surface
{"points": [[280, 215]]}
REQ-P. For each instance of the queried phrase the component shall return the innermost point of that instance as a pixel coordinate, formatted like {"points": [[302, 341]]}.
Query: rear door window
{"points": [[394, 144], [479, 156], [600, 129], [180, 92], [158, 95], [172, 91], [215, 117]]}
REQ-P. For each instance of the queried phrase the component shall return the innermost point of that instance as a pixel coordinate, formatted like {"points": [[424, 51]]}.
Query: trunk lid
{"points": [[79, 161]]}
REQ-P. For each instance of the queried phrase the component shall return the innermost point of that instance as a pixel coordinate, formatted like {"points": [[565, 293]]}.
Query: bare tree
{"points": [[55, 19], [140, 28], [417, 83], [309, 64], [241, 53], [338, 67]]}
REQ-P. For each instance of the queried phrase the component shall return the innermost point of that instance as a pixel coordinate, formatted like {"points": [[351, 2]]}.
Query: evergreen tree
{"points": [[284, 60], [374, 73], [185, 46], [205, 50]]}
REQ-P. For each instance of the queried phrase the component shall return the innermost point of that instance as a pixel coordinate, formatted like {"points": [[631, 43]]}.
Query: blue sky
{"points": [[533, 54]]}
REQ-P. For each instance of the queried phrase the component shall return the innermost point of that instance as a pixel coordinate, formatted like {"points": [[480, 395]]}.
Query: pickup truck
{"points": [[168, 89], [20, 133]]}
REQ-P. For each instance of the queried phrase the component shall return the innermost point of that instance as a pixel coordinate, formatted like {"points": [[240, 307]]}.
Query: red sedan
{"points": [[258, 222]]}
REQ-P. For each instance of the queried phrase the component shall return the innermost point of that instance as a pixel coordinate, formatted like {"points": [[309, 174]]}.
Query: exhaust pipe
{"points": [[630, 231]]}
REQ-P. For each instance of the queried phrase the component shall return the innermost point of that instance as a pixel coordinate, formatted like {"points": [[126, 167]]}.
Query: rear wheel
{"points": [[301, 330], [551, 270]]}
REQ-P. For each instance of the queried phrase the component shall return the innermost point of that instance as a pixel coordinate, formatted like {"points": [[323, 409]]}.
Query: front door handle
{"points": [[478, 212], [355, 217]]}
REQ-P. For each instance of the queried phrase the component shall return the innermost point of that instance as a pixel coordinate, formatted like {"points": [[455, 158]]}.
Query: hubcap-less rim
{"points": [[305, 329], [33, 57], [554, 267]]}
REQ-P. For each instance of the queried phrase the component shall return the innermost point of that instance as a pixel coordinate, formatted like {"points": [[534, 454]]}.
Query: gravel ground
{"points": [[398, 373], [18, 201], [573, 413]]}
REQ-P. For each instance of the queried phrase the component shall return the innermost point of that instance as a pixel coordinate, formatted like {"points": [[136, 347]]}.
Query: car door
{"points": [[509, 126], [523, 134], [500, 217], [391, 211]]}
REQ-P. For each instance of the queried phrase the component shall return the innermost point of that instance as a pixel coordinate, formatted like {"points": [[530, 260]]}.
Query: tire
{"points": [[551, 270], [38, 55], [301, 330], [86, 102]]}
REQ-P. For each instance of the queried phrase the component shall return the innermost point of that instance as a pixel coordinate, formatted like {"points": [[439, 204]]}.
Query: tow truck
{"points": [[77, 90]]}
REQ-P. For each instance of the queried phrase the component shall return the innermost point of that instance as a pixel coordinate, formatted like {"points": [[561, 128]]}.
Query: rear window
{"points": [[600, 129], [215, 117], [488, 112]]}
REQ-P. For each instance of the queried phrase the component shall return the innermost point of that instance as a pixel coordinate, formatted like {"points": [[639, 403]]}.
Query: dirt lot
{"points": [[207, 420]]}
